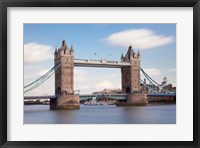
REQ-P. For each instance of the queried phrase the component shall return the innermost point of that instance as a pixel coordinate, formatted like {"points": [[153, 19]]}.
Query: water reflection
{"points": [[110, 114]]}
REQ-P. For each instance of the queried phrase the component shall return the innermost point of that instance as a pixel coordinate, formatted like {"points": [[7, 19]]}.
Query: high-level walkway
{"points": [[100, 63]]}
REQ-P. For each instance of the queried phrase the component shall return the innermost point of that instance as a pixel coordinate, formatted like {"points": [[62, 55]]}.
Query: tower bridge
{"points": [[133, 91]]}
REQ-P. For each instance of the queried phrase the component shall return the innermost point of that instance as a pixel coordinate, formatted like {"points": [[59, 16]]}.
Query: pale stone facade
{"points": [[64, 79]]}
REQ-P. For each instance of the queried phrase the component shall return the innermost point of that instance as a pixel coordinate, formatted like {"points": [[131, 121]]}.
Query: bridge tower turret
{"points": [[122, 56], [131, 79], [64, 79]]}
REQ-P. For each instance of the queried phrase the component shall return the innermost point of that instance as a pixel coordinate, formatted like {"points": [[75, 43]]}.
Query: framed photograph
{"points": [[99, 74]]}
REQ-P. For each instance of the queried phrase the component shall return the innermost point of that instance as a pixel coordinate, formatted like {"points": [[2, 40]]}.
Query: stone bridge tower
{"points": [[131, 79], [64, 79]]}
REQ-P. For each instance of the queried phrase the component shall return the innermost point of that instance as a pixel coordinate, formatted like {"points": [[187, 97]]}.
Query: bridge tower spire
{"points": [[72, 48], [122, 57], [64, 80], [131, 79]]}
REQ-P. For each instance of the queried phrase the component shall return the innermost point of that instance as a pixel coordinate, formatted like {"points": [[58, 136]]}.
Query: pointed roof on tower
{"points": [[64, 45], [138, 54], [56, 51], [129, 53], [72, 48], [122, 56]]}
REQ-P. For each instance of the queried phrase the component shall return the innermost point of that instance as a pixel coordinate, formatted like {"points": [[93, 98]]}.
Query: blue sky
{"points": [[157, 43]]}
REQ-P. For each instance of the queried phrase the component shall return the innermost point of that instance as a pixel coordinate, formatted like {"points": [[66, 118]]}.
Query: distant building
{"points": [[109, 91]]}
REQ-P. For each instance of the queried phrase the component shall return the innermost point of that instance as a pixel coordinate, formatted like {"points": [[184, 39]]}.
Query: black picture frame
{"points": [[4, 4]]}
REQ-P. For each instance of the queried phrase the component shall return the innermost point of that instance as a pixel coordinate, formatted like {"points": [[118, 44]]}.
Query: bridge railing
{"points": [[102, 61], [40, 97]]}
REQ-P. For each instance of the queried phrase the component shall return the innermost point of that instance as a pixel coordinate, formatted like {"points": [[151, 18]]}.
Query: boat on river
{"points": [[111, 102], [91, 102], [102, 103]]}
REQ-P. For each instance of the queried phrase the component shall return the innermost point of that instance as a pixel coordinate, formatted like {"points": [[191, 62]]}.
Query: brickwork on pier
{"points": [[161, 99]]}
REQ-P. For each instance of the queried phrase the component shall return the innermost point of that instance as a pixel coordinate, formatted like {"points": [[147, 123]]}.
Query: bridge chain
{"points": [[149, 78], [42, 79]]}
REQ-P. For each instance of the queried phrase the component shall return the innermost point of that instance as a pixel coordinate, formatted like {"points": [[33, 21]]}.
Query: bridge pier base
{"points": [[53, 104], [66, 102], [134, 99], [137, 99]]}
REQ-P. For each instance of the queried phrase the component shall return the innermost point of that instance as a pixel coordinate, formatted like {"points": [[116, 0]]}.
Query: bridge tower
{"points": [[131, 79], [64, 79]]}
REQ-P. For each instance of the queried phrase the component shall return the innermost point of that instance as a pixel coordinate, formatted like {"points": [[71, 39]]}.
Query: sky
{"points": [[157, 44]]}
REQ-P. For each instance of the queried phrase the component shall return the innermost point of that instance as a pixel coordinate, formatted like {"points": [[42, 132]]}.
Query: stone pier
{"points": [[68, 102], [137, 99]]}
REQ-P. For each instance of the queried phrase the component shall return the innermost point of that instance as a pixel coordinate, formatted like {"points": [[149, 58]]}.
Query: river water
{"points": [[108, 114]]}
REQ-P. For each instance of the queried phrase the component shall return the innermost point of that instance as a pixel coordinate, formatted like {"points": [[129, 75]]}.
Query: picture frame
{"points": [[99, 3]]}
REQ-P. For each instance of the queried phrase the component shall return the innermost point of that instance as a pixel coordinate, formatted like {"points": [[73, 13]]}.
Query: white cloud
{"points": [[80, 75], [139, 38], [34, 52], [42, 72], [89, 80], [33, 74], [172, 70], [104, 84], [27, 77], [152, 72], [112, 76], [28, 67]]}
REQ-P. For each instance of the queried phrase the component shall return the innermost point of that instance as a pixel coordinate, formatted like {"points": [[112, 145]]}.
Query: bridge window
{"points": [[128, 90], [58, 91]]}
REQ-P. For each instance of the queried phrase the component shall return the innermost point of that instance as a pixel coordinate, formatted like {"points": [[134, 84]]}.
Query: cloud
{"points": [[33, 66], [139, 38], [42, 72], [152, 72], [89, 80], [172, 70], [80, 75], [104, 84], [33, 74], [27, 77], [34, 52], [112, 76]]}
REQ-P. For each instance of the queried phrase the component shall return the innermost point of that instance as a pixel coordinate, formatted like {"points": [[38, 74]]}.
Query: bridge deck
{"points": [[100, 63], [40, 97], [97, 95]]}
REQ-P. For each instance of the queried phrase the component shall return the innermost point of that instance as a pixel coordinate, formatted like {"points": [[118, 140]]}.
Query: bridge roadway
{"points": [[120, 96], [100, 63]]}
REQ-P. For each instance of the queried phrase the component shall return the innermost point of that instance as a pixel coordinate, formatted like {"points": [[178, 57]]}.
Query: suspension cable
{"points": [[42, 78], [146, 75]]}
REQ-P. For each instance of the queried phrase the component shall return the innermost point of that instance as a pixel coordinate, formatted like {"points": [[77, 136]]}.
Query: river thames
{"points": [[108, 114]]}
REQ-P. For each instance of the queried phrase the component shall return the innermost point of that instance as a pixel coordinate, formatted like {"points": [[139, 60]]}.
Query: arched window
{"points": [[58, 91], [128, 90]]}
